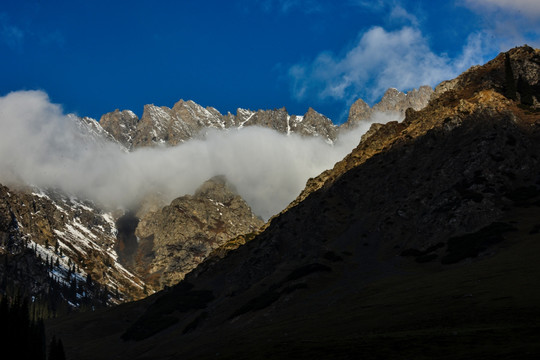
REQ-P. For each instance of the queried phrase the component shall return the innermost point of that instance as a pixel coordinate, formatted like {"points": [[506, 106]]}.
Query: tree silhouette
{"points": [[510, 90]]}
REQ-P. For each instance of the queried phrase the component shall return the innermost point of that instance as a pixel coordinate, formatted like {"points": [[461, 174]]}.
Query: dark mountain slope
{"points": [[421, 243]]}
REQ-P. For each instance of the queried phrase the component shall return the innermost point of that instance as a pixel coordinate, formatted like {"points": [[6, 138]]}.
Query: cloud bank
{"points": [[510, 22], [41, 146], [380, 59]]}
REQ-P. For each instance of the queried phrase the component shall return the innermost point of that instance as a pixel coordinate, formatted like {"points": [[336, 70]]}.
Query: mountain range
{"points": [[187, 119], [420, 243], [134, 252]]}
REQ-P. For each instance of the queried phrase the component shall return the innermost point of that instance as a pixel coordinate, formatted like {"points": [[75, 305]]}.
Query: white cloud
{"points": [[398, 13], [378, 60], [509, 23], [392, 10], [43, 147]]}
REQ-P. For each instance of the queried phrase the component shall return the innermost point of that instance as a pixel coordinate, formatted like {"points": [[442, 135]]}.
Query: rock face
{"points": [[277, 119], [176, 238], [423, 216], [314, 124], [160, 125], [73, 238], [126, 257], [121, 125], [515, 75], [393, 102], [186, 119]]}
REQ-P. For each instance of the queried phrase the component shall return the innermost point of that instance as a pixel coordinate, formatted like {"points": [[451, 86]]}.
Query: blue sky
{"points": [[95, 56]]}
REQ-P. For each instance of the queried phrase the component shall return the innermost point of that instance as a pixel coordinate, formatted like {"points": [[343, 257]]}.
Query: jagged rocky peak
{"points": [[121, 125], [396, 101], [313, 124], [276, 119], [196, 116], [393, 102], [242, 115], [359, 111], [160, 125], [168, 242]]}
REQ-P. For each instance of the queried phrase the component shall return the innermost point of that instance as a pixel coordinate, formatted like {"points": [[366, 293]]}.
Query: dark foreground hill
{"points": [[424, 242]]}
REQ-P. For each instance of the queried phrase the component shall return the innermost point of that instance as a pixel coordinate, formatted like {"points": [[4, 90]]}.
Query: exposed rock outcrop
{"points": [[393, 102], [121, 125], [176, 238], [73, 238], [186, 120]]}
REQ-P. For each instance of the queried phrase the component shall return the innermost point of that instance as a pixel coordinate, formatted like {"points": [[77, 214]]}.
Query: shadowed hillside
{"points": [[421, 243]]}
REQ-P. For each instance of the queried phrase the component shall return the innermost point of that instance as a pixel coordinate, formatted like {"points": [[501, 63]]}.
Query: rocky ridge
{"points": [[413, 204], [173, 240], [186, 120], [127, 257], [491, 76], [74, 238], [393, 102], [121, 125], [447, 169]]}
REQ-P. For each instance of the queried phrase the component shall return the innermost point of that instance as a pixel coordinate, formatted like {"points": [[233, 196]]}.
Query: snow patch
{"points": [[288, 125]]}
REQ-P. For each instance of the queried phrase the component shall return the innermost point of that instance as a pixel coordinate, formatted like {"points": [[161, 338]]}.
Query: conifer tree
{"points": [[19, 333], [525, 92], [510, 84]]}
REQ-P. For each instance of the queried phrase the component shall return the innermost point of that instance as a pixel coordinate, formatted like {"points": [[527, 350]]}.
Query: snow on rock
{"points": [[76, 237]]}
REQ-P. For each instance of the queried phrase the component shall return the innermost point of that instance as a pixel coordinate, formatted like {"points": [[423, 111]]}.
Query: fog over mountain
{"points": [[46, 148]]}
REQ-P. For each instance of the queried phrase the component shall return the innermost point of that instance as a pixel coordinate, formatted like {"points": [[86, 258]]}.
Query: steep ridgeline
{"points": [[186, 119], [170, 241], [422, 243], [63, 244], [393, 102], [120, 125]]}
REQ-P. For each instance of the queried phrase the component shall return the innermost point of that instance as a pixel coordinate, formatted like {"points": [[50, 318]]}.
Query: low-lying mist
{"points": [[41, 146]]}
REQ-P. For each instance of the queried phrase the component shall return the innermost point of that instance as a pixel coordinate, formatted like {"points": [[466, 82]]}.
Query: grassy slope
{"points": [[480, 308]]}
